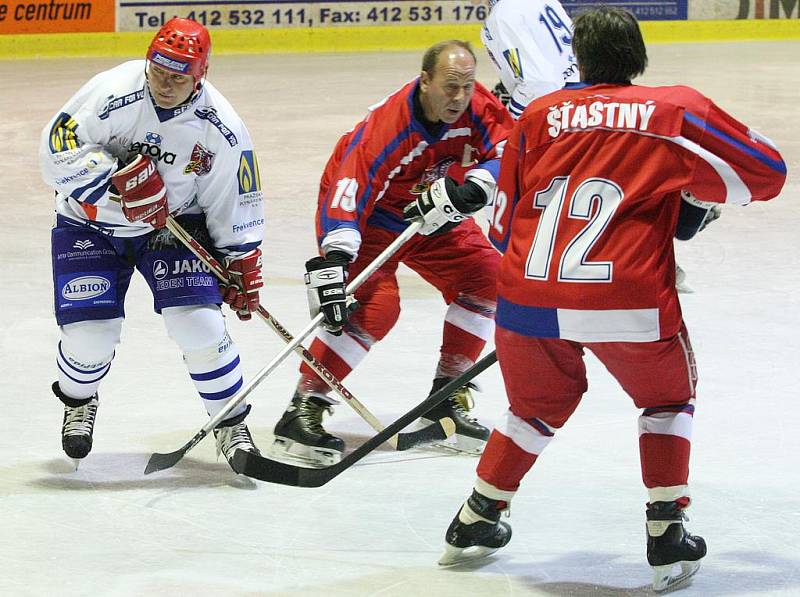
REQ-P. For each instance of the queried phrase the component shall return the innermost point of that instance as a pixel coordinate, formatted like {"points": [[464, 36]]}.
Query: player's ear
{"points": [[424, 81]]}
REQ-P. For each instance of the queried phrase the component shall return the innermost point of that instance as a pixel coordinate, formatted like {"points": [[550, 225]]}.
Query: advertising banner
{"points": [[645, 10], [758, 9], [50, 16], [138, 15]]}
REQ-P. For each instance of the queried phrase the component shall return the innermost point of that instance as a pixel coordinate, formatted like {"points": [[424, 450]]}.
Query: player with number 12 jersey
{"points": [[583, 259]]}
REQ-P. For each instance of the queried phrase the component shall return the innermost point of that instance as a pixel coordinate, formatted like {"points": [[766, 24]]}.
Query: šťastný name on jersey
{"points": [[599, 114]]}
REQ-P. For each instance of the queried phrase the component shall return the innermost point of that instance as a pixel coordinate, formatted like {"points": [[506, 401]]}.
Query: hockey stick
{"points": [[403, 441], [266, 469], [160, 461]]}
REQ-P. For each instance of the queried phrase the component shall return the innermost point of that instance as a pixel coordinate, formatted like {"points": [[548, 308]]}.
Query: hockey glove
{"points": [[501, 93], [325, 285], [694, 215], [245, 280], [142, 192], [445, 205]]}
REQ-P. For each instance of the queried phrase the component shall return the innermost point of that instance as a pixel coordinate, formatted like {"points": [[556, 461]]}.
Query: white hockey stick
{"points": [[159, 461], [402, 441]]}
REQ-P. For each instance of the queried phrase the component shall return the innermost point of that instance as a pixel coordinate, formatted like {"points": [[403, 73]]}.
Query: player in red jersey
{"points": [[589, 200], [439, 137]]}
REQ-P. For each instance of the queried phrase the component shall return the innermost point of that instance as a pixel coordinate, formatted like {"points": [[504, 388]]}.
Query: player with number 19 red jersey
{"points": [[390, 157], [442, 126]]}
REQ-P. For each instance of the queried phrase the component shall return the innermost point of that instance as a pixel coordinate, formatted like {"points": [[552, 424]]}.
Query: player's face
{"points": [[169, 89], [447, 93]]}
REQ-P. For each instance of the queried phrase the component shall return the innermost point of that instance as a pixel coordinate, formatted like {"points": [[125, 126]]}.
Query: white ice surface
{"points": [[378, 529]]}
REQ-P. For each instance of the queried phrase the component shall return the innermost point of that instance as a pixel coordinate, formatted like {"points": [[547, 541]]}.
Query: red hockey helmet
{"points": [[181, 46]]}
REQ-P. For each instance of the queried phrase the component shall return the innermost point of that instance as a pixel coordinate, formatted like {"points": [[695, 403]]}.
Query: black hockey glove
{"points": [[445, 205], [694, 216], [501, 93], [325, 284]]}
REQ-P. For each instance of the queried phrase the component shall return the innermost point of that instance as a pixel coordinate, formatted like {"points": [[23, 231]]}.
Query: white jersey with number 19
{"points": [[530, 43]]}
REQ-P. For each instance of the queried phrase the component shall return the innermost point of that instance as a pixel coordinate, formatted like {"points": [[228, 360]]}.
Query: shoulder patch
{"points": [[62, 134], [514, 62], [249, 177]]}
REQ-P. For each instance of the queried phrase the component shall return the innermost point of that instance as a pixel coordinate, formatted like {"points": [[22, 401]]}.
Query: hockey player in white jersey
{"points": [[530, 44], [136, 143]]}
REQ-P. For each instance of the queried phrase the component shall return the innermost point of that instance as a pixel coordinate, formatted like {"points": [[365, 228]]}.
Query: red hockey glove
{"points": [[242, 292], [144, 198]]}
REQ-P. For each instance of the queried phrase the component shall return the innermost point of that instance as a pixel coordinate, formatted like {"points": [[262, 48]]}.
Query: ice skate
{"points": [[300, 437], [233, 434], [78, 425], [673, 553], [470, 436], [476, 532]]}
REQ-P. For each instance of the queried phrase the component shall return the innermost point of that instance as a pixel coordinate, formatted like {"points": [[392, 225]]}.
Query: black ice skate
{"points": [[476, 531], [78, 425], [669, 546], [232, 434], [470, 436], [300, 437]]}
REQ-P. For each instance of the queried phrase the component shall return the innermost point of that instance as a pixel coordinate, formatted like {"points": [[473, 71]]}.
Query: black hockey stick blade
{"points": [[272, 471], [160, 462], [438, 431]]}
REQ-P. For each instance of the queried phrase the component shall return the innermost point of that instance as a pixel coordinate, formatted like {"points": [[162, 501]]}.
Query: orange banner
{"points": [[57, 16]]}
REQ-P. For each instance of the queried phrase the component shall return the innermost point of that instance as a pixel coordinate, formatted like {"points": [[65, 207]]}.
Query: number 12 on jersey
{"points": [[595, 201]]}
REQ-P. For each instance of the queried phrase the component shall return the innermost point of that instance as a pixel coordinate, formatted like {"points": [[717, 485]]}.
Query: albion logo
{"points": [[85, 288], [154, 151]]}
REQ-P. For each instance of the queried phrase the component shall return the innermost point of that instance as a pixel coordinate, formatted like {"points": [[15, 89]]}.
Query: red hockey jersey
{"points": [[588, 201], [389, 156]]}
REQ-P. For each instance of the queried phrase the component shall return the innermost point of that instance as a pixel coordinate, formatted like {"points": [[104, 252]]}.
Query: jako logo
{"points": [[160, 269], [82, 244], [154, 151], [85, 287]]}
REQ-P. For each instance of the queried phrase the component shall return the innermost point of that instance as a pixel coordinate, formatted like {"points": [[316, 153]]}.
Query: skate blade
{"points": [[291, 452], [460, 555], [665, 581], [76, 462], [462, 444], [455, 442]]}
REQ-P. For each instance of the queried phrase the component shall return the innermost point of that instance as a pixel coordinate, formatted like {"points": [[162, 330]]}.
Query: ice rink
{"points": [[198, 529]]}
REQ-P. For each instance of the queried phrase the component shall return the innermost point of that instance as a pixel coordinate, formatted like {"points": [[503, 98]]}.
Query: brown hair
{"points": [[608, 45]]}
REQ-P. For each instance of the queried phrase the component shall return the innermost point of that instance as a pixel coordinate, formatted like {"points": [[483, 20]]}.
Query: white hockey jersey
{"points": [[202, 150], [530, 44]]}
